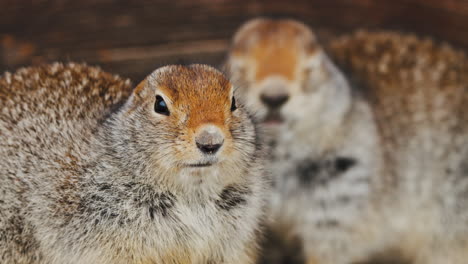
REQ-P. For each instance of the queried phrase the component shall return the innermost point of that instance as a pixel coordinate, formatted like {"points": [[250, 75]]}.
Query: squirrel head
{"points": [[281, 69], [185, 121]]}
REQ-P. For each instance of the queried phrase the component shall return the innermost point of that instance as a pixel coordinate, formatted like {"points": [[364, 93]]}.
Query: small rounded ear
{"points": [[237, 70], [136, 96], [139, 89], [317, 70], [246, 30], [140, 92], [235, 64]]}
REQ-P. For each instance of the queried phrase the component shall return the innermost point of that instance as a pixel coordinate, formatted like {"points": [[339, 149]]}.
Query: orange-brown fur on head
{"points": [[274, 45], [204, 95], [199, 100], [199, 96], [277, 63]]}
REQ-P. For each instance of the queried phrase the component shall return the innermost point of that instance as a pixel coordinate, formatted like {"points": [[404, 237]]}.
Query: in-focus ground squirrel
{"points": [[92, 172], [378, 168]]}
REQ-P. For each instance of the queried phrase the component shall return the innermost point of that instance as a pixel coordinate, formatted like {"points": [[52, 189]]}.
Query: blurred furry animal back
{"points": [[418, 91], [367, 168]]}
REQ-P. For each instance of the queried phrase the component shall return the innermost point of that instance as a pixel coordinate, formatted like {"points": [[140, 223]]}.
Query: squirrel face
{"points": [[278, 63], [187, 121]]}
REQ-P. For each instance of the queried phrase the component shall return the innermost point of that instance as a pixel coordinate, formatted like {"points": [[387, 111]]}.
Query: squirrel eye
{"points": [[233, 104], [160, 106]]}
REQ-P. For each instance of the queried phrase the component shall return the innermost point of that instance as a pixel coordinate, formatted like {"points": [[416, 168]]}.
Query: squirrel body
{"points": [[94, 172], [368, 165]]}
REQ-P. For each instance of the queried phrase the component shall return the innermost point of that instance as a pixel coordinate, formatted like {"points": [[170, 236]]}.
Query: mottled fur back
{"points": [[418, 90], [28, 99], [415, 86]]}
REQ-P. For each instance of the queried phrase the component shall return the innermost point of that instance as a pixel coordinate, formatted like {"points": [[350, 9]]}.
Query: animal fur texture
{"points": [[372, 165], [91, 173]]}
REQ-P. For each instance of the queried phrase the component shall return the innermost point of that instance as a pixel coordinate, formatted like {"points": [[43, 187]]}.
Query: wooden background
{"points": [[132, 38]]}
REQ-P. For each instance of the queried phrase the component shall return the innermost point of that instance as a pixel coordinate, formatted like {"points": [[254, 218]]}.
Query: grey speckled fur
{"points": [[370, 169], [89, 174]]}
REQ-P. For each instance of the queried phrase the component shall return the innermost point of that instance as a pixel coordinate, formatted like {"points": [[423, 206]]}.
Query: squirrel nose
{"points": [[209, 139], [209, 149], [274, 101]]}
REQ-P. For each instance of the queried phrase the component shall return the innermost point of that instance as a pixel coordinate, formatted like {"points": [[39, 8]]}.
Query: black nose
{"points": [[274, 101], [209, 148]]}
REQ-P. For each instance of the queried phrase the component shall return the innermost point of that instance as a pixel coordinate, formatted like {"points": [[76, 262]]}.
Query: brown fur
{"points": [[254, 40], [206, 111]]}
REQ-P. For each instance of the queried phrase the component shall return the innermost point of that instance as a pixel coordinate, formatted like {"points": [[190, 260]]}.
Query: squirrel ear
{"points": [[139, 88], [317, 70]]}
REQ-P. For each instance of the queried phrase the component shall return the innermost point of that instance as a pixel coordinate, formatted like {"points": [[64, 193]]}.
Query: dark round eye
{"points": [[160, 106], [233, 104]]}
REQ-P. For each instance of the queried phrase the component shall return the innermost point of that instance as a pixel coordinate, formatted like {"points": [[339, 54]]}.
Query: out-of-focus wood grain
{"points": [[134, 37]]}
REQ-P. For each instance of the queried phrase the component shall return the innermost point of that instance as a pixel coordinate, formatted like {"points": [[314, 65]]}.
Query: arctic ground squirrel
{"points": [[365, 170], [93, 171]]}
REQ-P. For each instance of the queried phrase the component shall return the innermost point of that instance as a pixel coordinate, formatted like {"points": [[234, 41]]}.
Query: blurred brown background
{"points": [[132, 38]]}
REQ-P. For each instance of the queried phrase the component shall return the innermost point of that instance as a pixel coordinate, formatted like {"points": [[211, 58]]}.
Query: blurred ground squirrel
{"points": [[364, 168], [92, 172]]}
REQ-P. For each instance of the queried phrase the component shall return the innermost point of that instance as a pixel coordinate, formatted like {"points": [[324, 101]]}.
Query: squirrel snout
{"points": [[274, 93], [209, 139], [274, 101]]}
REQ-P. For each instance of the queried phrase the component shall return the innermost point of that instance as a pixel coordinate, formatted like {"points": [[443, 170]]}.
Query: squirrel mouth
{"points": [[200, 165], [273, 118]]}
